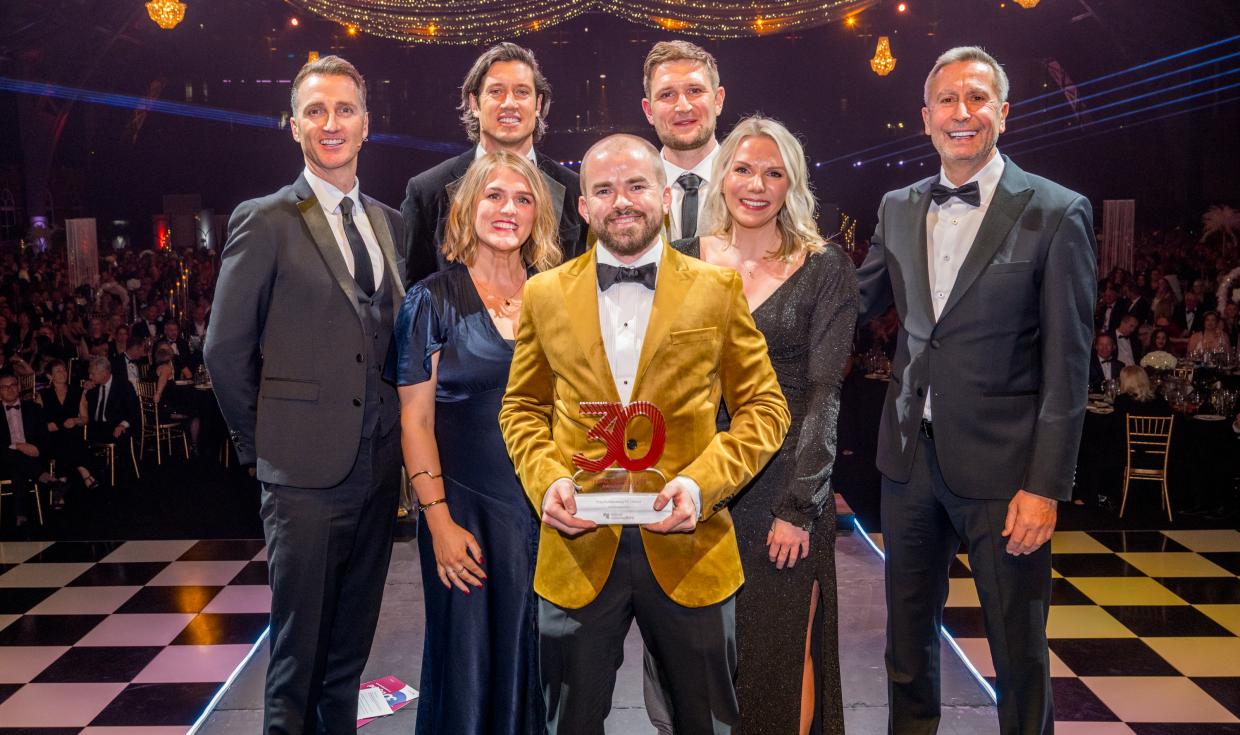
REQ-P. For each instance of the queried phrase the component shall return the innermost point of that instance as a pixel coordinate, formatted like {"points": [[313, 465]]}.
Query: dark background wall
{"points": [[97, 160]]}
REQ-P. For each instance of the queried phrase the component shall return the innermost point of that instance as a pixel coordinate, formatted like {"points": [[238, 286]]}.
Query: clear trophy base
{"points": [[619, 497]]}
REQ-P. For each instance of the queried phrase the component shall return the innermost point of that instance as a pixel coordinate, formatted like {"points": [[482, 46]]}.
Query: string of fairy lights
{"points": [[454, 22]]}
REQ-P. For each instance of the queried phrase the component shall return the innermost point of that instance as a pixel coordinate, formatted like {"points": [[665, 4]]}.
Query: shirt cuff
{"points": [[695, 492], [124, 424]]}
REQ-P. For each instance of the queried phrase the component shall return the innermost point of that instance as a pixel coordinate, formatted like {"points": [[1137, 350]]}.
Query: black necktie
{"points": [[689, 205], [103, 400], [608, 275], [363, 269], [969, 194]]}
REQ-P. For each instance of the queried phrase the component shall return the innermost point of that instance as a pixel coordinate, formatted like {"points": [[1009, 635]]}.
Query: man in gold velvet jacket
{"points": [[633, 320]]}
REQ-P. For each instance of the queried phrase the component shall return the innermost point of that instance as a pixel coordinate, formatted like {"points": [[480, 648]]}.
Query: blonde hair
{"points": [[665, 51], [1134, 382], [460, 241], [797, 219]]}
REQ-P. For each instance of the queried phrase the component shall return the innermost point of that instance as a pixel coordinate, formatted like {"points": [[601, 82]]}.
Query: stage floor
{"points": [[139, 637], [398, 651]]}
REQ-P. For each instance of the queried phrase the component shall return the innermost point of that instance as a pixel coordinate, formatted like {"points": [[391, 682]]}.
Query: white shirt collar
{"points": [[702, 169], [653, 255], [329, 196], [987, 179], [479, 152]]}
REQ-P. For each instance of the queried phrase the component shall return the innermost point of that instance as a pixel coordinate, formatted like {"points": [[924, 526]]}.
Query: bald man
{"points": [[634, 320]]}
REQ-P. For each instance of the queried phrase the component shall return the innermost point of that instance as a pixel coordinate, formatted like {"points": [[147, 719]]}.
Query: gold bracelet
{"points": [[428, 473], [423, 506]]}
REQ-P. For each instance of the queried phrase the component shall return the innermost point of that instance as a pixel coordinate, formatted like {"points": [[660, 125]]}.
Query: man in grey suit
{"points": [[301, 325], [993, 274]]}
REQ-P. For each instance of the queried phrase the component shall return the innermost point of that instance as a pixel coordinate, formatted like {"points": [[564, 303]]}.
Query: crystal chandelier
{"points": [[166, 13], [1027, 4], [883, 62]]}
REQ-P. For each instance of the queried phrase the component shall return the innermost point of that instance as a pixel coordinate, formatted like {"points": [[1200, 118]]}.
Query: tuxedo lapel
{"points": [[579, 282], [670, 289], [325, 241], [383, 234], [1006, 206], [554, 187], [918, 206]]}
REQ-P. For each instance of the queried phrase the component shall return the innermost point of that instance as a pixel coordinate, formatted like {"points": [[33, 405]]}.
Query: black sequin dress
{"points": [[808, 323]]}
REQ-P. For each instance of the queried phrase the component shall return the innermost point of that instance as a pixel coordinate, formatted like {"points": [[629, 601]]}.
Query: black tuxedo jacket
{"points": [[122, 404], [1135, 340], [428, 197], [1096, 376], [1007, 360], [34, 424], [1119, 311], [1140, 308], [120, 364]]}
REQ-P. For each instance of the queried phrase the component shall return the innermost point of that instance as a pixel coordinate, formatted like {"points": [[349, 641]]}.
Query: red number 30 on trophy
{"points": [[610, 430]]}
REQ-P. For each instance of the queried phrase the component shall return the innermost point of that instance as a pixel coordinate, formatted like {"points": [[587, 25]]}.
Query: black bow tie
{"points": [[969, 194], [608, 275], [14, 407]]}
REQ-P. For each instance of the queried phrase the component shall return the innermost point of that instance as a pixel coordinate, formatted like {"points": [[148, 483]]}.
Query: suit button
{"points": [[631, 444], [358, 401], [359, 357], [934, 344], [921, 392]]}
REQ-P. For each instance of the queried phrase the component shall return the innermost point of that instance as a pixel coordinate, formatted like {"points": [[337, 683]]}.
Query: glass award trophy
{"points": [[617, 489]]}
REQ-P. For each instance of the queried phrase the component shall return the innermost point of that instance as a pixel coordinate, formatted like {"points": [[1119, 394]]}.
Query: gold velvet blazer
{"points": [[701, 345]]}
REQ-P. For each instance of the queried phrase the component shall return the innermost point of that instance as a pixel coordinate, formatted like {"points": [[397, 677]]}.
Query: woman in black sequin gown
{"points": [[454, 342], [803, 294]]}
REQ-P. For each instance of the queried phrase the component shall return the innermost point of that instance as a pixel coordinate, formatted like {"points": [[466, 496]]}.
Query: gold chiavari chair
{"points": [[153, 427], [1149, 448], [34, 490]]}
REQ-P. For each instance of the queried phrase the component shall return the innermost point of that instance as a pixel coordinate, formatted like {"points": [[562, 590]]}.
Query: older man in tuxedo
{"points": [[505, 100], [308, 291], [993, 273], [634, 320]]}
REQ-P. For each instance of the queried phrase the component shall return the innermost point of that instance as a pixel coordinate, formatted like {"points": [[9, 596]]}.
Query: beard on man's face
{"points": [[633, 239]]}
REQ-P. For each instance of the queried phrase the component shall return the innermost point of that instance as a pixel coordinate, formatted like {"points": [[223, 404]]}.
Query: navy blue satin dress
{"points": [[479, 660]]}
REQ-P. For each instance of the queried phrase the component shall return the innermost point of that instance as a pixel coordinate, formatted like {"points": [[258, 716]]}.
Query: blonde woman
{"points": [[760, 218], [454, 337]]}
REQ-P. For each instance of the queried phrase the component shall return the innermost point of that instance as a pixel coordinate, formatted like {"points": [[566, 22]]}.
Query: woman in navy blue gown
{"points": [[477, 535]]}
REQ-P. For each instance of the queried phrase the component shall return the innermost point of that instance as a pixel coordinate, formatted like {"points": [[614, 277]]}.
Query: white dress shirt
{"points": [[951, 228], [329, 199], [17, 433], [678, 194], [1123, 348], [623, 314], [479, 152]]}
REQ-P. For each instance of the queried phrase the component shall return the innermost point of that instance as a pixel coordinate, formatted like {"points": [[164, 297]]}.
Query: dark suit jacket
{"points": [[1096, 375], [141, 329], [34, 424], [1117, 314], [1140, 308], [286, 348], [120, 365], [1008, 359], [1135, 340], [428, 198], [1180, 318], [122, 405]]}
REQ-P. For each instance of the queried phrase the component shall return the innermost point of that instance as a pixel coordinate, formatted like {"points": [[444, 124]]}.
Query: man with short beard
{"points": [[634, 320], [683, 100]]}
